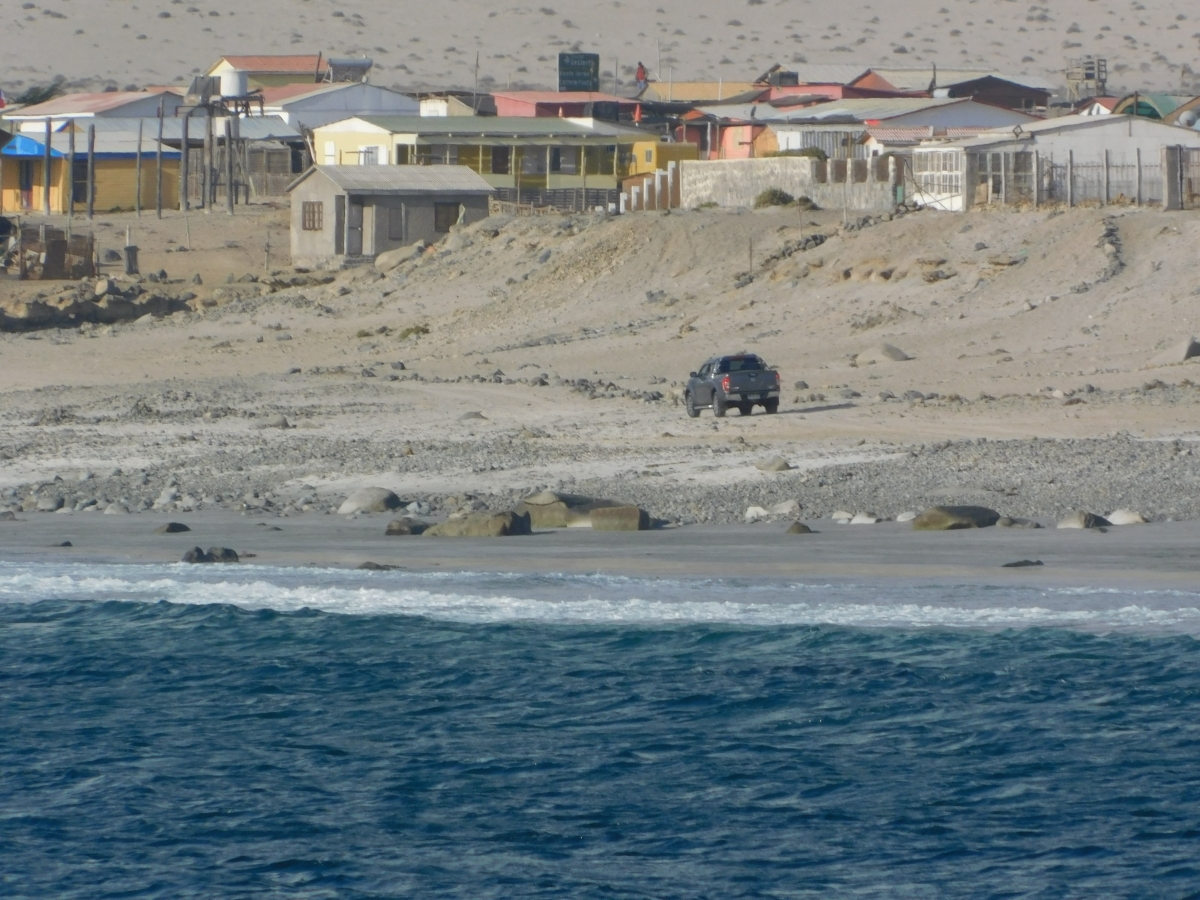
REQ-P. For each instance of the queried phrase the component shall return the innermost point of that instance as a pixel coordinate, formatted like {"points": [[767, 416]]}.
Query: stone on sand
{"points": [[881, 353], [620, 518], [1180, 352], [212, 555], [390, 259], [1126, 517], [953, 518], [369, 500], [799, 528], [774, 464], [865, 519], [906, 516], [172, 528], [786, 508], [505, 524], [50, 504], [754, 514], [404, 526], [1082, 519]]}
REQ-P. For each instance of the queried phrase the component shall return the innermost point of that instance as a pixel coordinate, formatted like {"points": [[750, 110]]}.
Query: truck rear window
{"points": [[741, 364]]}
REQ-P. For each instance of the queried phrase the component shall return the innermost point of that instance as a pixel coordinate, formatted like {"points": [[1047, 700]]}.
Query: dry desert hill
{"points": [[1150, 45]]}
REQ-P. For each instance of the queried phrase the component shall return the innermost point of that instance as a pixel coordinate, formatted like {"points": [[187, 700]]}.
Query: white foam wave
{"points": [[600, 600]]}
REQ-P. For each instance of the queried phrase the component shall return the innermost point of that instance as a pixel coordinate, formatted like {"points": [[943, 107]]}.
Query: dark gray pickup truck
{"points": [[743, 381]]}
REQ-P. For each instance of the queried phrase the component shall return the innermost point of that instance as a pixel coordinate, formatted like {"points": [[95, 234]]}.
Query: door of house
{"points": [[26, 183], [354, 228]]}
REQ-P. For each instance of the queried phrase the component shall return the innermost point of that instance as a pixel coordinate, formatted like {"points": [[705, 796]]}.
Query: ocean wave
{"points": [[474, 597]]}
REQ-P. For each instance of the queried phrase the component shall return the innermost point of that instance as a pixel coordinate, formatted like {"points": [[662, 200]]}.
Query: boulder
{"points": [[755, 513], [50, 504], [405, 526], [172, 528], [1180, 352], [390, 259], [774, 464], [840, 515], [1011, 522], [1082, 519], [167, 497], [278, 420], [369, 500], [116, 509], [906, 517], [786, 508], [799, 528], [8, 516], [212, 555], [881, 353], [953, 518], [620, 518], [1126, 517], [505, 524], [865, 519]]}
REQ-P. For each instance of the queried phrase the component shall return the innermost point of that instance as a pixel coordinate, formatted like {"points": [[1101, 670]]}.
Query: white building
{"points": [[313, 105]]}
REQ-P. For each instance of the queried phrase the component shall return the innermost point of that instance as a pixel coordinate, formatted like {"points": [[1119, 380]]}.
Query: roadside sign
{"points": [[579, 72]]}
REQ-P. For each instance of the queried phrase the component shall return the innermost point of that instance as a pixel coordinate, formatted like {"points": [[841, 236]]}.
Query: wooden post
{"points": [[158, 168], [206, 163], [1138, 200], [1070, 178], [1003, 178], [1037, 177], [2, 187], [1105, 202], [91, 173], [71, 170], [137, 203], [184, 165], [46, 171], [229, 198]]}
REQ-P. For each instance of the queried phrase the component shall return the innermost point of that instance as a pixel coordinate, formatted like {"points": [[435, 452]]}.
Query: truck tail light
{"points": [[725, 384], [776, 379]]}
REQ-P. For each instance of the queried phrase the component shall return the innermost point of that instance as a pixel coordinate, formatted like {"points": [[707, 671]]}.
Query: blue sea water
{"points": [[175, 732]]}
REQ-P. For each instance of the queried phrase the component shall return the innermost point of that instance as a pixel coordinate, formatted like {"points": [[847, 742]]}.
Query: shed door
{"points": [[354, 228], [26, 177]]}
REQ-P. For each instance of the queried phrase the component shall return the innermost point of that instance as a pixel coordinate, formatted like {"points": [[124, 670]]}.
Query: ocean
{"points": [[172, 731]]}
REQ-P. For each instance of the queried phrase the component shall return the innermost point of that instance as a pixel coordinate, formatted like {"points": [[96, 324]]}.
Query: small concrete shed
{"points": [[342, 213]]}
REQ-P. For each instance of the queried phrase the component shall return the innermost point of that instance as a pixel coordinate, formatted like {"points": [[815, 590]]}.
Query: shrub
{"points": [[412, 331], [773, 197]]}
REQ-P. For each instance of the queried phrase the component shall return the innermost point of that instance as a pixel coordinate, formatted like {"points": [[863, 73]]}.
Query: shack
{"points": [[349, 213], [22, 173]]}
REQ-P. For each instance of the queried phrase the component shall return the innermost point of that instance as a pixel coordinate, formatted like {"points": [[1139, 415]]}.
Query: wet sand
{"points": [[1161, 556]]}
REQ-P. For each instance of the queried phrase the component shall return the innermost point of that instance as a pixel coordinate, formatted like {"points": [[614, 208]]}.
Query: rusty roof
{"points": [[88, 104], [303, 64]]}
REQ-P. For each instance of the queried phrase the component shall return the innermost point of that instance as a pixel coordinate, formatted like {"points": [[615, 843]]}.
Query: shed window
{"points": [[501, 161], [312, 214], [444, 215]]}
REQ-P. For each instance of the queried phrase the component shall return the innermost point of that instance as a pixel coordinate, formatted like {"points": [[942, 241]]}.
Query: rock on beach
{"points": [[505, 524], [369, 500], [953, 518]]}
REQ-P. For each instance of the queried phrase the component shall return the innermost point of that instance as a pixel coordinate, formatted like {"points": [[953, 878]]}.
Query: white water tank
{"points": [[235, 83]]}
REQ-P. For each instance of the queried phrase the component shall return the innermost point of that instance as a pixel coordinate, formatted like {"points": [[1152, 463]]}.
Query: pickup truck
{"points": [[743, 381]]}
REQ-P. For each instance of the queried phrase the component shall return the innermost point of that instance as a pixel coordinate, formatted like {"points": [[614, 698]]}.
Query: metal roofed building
{"points": [[273, 70], [1022, 92], [313, 105], [22, 173], [510, 153], [567, 104], [342, 213], [1070, 160], [109, 104]]}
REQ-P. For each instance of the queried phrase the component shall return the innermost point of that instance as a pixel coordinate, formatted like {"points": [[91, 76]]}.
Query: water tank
{"points": [[234, 84]]}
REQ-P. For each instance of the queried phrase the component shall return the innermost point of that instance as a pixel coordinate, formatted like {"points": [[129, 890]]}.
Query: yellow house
{"points": [[22, 173], [509, 152], [263, 71], [649, 156]]}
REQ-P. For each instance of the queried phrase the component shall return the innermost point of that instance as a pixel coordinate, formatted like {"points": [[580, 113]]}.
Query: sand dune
{"points": [[92, 43]]}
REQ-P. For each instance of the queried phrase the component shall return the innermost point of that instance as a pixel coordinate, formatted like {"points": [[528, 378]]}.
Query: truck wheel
{"points": [[745, 409], [772, 406], [690, 404], [719, 407]]}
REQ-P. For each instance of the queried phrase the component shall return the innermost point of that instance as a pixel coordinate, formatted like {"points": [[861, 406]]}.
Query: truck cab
{"points": [[742, 380]]}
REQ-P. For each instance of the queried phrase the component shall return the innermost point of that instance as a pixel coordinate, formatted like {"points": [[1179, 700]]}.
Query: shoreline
{"points": [[1154, 557]]}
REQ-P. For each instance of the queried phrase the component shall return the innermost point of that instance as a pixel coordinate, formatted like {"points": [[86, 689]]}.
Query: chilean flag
{"points": [[3, 102]]}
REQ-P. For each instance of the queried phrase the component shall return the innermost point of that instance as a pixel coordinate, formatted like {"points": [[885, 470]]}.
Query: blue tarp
{"points": [[21, 145]]}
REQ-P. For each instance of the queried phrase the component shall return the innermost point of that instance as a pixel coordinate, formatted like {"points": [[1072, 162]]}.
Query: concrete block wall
{"points": [[736, 182]]}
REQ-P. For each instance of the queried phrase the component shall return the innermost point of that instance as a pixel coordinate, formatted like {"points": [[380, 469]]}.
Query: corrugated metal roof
{"points": [[697, 91], [91, 104], [858, 110], [917, 134], [562, 97], [255, 128], [402, 179], [108, 143], [499, 126], [303, 64], [918, 79], [1069, 123]]}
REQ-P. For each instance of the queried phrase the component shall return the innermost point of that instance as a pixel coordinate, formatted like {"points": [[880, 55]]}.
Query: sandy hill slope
{"points": [[1150, 46]]}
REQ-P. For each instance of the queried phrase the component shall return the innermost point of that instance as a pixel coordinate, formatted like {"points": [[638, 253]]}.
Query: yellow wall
{"points": [[660, 153], [116, 185]]}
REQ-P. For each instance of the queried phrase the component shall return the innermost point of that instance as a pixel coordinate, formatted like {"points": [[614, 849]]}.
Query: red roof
{"points": [[276, 65], [85, 104]]}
